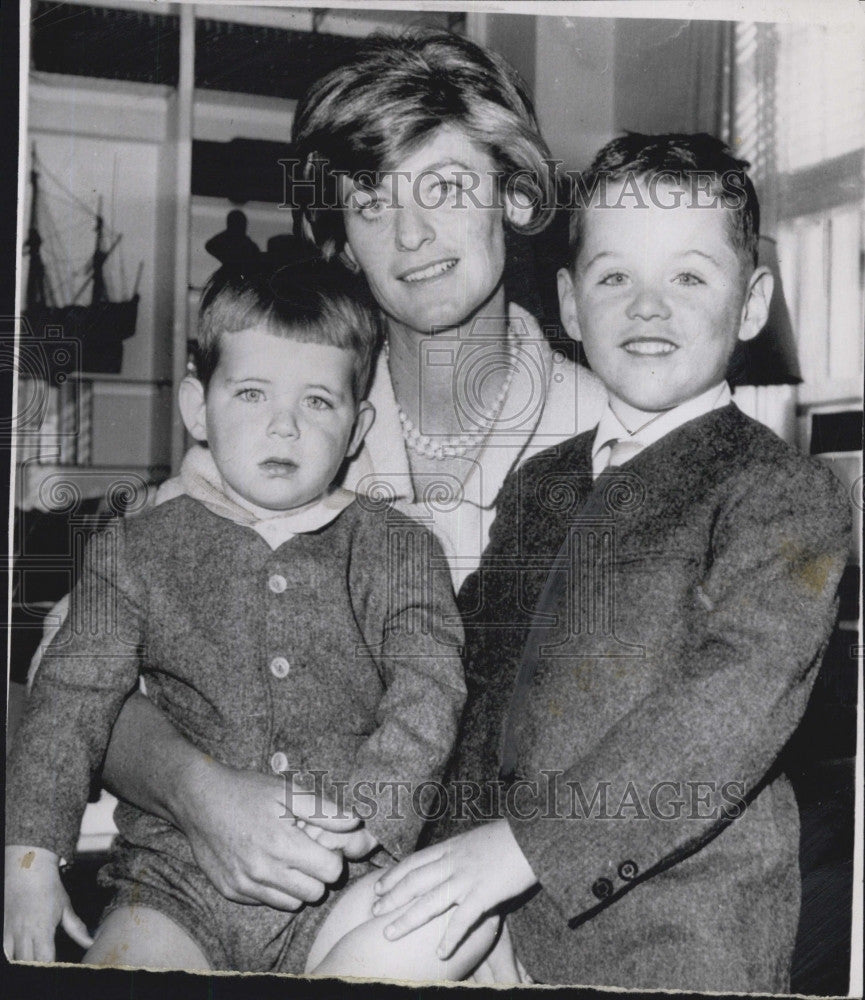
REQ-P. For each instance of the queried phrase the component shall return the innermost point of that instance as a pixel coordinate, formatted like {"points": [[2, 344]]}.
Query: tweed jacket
{"points": [[676, 656], [338, 652]]}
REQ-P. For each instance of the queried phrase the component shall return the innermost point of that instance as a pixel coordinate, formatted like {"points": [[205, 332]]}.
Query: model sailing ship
{"points": [[99, 327]]}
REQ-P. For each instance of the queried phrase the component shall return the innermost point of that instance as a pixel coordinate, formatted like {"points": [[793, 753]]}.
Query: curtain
{"points": [[673, 76], [718, 77]]}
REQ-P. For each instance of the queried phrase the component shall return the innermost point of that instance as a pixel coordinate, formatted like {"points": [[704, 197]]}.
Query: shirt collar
{"points": [[199, 479], [611, 428], [383, 462]]}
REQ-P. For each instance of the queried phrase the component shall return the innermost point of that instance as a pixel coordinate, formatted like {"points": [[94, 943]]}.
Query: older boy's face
{"points": [[279, 417], [658, 297]]}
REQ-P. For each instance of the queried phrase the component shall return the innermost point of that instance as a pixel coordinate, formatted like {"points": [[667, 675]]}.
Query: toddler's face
{"points": [[658, 297], [279, 417]]}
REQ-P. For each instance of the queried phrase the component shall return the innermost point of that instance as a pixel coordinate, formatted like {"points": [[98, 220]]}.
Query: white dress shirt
{"points": [[641, 431]]}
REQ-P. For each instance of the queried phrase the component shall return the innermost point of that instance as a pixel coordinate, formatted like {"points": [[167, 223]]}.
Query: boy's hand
{"points": [[248, 847], [353, 846], [34, 903], [474, 872]]}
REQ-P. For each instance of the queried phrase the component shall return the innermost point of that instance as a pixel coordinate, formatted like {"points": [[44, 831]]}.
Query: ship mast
{"points": [[38, 290], [100, 292]]}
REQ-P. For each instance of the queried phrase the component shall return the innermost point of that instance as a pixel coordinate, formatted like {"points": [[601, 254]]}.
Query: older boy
{"points": [[256, 608], [682, 561]]}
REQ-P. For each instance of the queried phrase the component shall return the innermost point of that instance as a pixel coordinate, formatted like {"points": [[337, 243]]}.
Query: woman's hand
{"points": [[473, 872], [242, 830], [245, 836], [34, 903]]}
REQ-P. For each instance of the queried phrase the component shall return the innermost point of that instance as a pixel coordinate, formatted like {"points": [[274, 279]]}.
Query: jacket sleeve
{"points": [[86, 674], [725, 707], [419, 635]]}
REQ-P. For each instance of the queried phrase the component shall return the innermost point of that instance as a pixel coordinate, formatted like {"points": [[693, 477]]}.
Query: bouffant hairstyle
{"points": [[367, 116]]}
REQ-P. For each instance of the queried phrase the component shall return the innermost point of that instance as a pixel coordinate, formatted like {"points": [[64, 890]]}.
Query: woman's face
{"points": [[430, 237]]}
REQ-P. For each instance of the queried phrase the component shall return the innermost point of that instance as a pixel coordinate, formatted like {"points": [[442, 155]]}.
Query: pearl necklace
{"points": [[456, 445]]}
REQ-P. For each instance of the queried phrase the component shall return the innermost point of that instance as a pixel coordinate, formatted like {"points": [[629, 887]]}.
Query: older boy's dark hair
{"points": [[680, 157], [315, 301], [370, 114]]}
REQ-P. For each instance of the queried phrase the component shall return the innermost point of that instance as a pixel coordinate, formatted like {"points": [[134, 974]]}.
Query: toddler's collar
{"points": [[199, 479]]}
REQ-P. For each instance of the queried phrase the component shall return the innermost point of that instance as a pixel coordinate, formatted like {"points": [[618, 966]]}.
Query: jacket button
{"points": [[278, 762], [279, 667], [602, 888], [277, 583], [628, 870]]}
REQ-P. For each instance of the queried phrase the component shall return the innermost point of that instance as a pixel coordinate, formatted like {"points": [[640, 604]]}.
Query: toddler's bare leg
{"points": [[144, 938], [501, 965], [351, 942]]}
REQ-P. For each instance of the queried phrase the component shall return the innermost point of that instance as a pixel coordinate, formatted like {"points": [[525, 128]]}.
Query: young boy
{"points": [[682, 562], [256, 608]]}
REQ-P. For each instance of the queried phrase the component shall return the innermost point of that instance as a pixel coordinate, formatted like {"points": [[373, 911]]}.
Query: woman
{"points": [[422, 151], [443, 143]]}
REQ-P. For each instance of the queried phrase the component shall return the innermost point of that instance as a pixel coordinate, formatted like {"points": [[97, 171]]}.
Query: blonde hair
{"points": [[367, 116], [317, 302]]}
